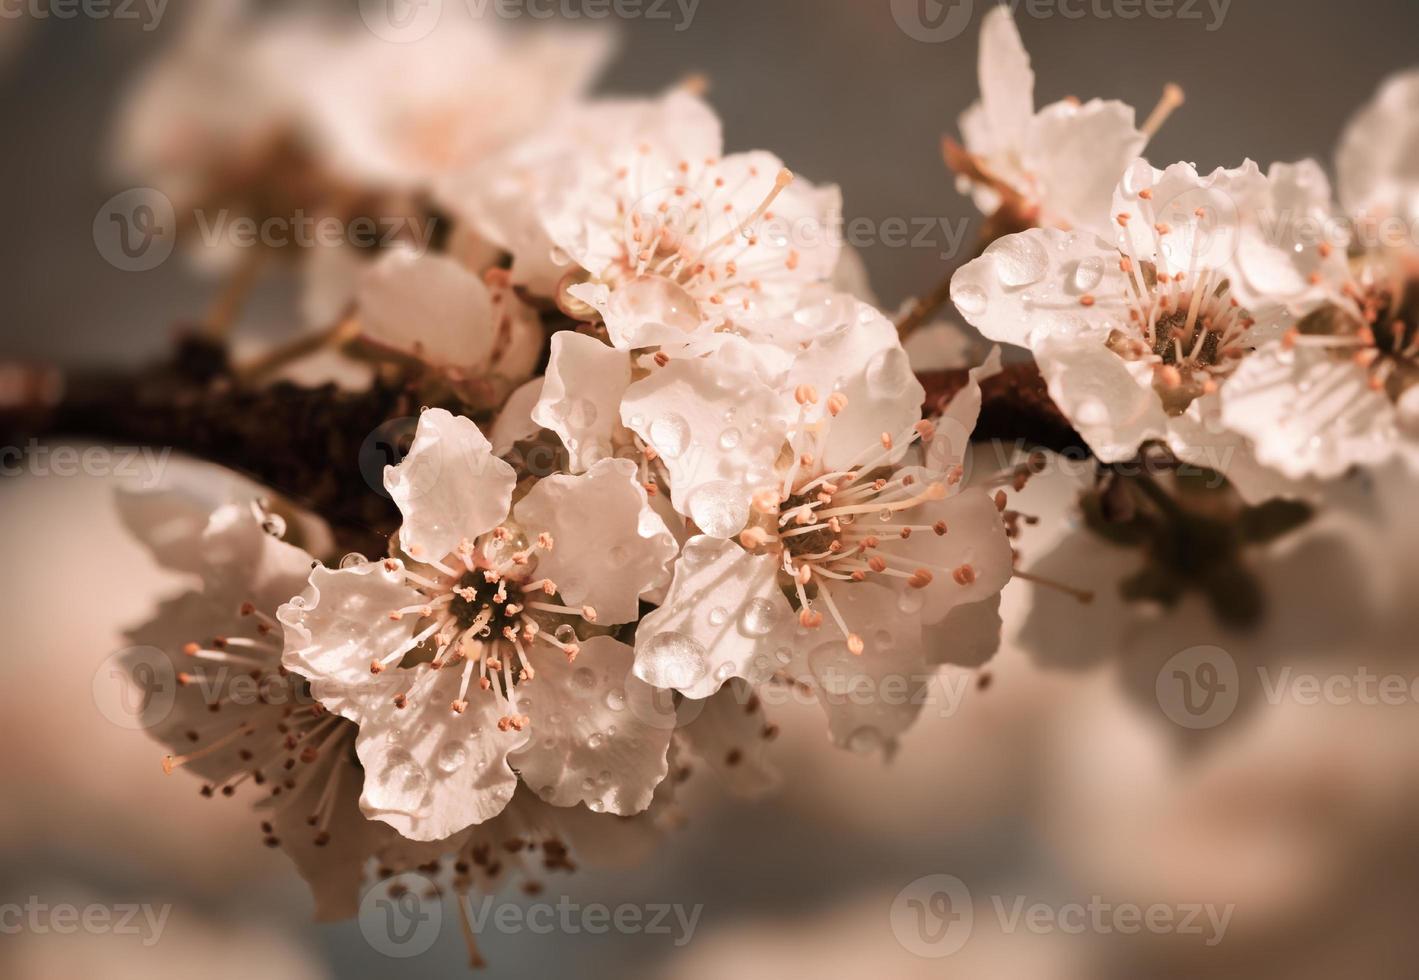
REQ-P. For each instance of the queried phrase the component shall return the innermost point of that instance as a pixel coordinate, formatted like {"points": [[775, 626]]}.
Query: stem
{"points": [[232, 298]]}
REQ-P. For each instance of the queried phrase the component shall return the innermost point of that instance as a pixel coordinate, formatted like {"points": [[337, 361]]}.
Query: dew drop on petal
{"points": [[720, 508], [594, 740], [724, 671], [729, 439], [451, 757], [583, 678], [616, 700], [758, 618], [403, 782], [565, 634], [910, 602], [353, 560], [655, 299], [969, 299], [1138, 177], [1089, 273], [674, 660], [718, 615], [1020, 260], [670, 435], [888, 373]]}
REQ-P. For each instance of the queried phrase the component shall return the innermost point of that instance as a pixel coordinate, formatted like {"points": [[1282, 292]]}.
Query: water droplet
{"points": [[718, 615], [565, 634], [616, 700], [578, 413], [404, 783], [1089, 273], [910, 602], [1138, 177], [783, 655], [1020, 260], [969, 299], [594, 740], [888, 373], [584, 678], [729, 439], [759, 617], [595, 806], [724, 671], [353, 560], [882, 639], [451, 757], [670, 435], [274, 525], [674, 660], [700, 552], [720, 508]]}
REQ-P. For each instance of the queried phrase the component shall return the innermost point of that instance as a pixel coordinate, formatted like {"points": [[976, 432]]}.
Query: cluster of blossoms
{"points": [[704, 475], [675, 463], [1241, 318]]}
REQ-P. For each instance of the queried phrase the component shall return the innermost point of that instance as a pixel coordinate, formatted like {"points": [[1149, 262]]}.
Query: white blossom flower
{"points": [[841, 524], [503, 197], [1061, 163], [1341, 389], [673, 241], [479, 656], [1136, 336], [410, 114]]}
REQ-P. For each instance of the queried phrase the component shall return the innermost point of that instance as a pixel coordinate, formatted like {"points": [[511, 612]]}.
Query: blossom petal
{"points": [[1007, 82], [1309, 413], [449, 487], [718, 432], [606, 562], [429, 306], [515, 423], [1110, 401], [1077, 153], [582, 396], [341, 623], [429, 772], [584, 745], [974, 536], [1375, 163], [724, 616], [730, 735]]}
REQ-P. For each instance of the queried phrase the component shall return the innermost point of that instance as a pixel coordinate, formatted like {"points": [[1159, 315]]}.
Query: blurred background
{"points": [[1066, 779]]}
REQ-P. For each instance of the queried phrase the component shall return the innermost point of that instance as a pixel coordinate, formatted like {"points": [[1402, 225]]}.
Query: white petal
{"points": [[1376, 165], [1110, 401], [429, 772], [718, 432], [341, 623], [582, 397], [1007, 83], [1030, 286], [730, 735], [609, 546], [1309, 413], [429, 306], [449, 487], [951, 445], [723, 617], [1077, 155], [584, 744], [975, 536], [1283, 227], [242, 562], [873, 697], [863, 360]]}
